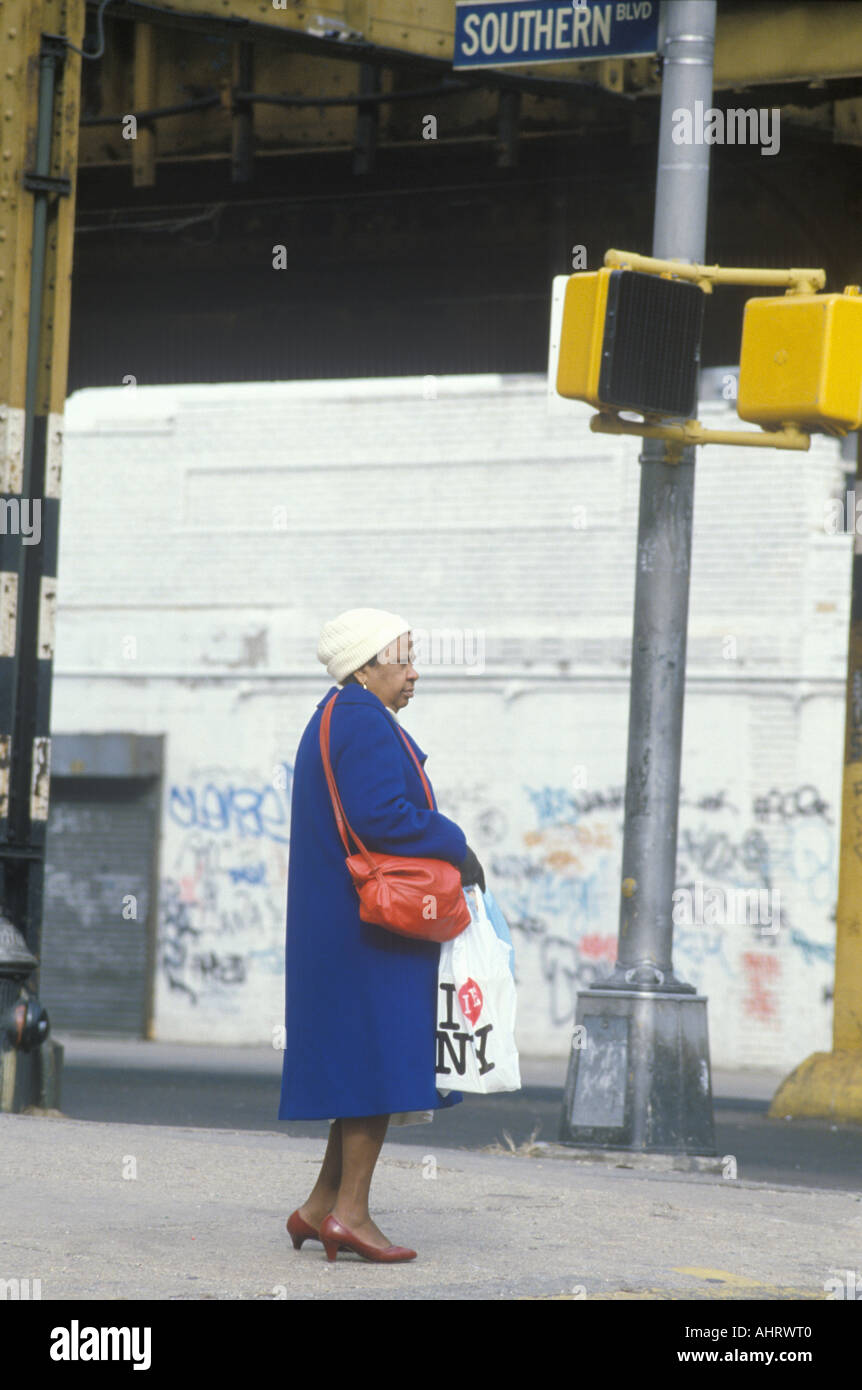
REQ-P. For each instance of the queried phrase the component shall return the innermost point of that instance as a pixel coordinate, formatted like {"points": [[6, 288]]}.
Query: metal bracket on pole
{"points": [[47, 183], [793, 281], [693, 432], [688, 433], [54, 46]]}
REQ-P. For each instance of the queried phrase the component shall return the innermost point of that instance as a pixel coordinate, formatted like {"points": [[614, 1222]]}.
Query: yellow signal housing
{"points": [[801, 362], [582, 335], [631, 341]]}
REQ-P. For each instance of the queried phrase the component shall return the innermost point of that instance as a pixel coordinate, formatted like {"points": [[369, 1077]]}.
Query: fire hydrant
{"points": [[27, 1059]]}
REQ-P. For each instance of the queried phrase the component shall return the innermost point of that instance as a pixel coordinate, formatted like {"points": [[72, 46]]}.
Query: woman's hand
{"points": [[472, 871]]}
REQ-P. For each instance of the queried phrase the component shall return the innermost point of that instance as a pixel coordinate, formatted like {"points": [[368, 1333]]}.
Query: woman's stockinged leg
{"points": [[361, 1141], [322, 1197]]}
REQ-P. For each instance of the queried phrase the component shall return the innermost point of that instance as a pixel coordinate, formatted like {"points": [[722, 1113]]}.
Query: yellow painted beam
{"points": [[847, 1002], [776, 42], [60, 17], [826, 1086], [22, 22], [16, 223], [829, 1084], [763, 43], [144, 92], [414, 26], [287, 15], [847, 118]]}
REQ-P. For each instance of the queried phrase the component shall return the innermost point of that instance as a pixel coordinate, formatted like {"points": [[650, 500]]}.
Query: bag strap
{"points": [[340, 818], [419, 768]]}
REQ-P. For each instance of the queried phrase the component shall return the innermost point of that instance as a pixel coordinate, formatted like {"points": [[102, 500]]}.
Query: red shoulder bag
{"points": [[420, 898]]}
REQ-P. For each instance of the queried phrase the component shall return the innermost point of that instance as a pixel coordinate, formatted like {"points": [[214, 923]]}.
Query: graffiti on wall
{"points": [[560, 890], [552, 857], [234, 807], [223, 893]]}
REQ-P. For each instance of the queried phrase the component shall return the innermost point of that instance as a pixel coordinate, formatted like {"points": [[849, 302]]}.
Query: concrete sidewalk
{"points": [[119, 1211]]}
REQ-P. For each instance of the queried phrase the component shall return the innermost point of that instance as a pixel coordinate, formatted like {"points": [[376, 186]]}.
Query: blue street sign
{"points": [[497, 33]]}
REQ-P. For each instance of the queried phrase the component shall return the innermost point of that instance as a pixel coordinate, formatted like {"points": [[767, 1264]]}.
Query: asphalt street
{"points": [[147, 1083]]}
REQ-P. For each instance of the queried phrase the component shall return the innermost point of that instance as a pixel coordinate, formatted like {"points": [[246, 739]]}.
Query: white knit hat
{"points": [[354, 637]]}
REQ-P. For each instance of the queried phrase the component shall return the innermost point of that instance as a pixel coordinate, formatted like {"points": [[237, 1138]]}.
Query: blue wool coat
{"points": [[360, 1002]]}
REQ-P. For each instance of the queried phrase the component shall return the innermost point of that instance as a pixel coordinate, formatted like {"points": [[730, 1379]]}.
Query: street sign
{"points": [[500, 33]]}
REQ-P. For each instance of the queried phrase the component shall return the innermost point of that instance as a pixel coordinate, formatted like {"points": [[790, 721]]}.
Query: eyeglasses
{"points": [[398, 659]]}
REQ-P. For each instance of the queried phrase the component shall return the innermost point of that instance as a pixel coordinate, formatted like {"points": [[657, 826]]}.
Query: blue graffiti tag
{"points": [[254, 812], [812, 950], [248, 873]]}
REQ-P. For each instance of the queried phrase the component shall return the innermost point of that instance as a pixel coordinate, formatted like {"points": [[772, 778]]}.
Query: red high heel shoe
{"points": [[299, 1230], [336, 1236]]}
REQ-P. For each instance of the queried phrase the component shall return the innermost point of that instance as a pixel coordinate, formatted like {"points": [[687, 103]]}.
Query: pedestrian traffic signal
{"points": [[801, 362], [631, 341]]}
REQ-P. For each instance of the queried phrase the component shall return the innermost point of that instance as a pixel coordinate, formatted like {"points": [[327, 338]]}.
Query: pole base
{"points": [[639, 1074], [827, 1085], [645, 977], [31, 1079]]}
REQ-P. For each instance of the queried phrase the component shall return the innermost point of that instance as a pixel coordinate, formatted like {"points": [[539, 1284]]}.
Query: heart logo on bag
{"points": [[471, 1000]]}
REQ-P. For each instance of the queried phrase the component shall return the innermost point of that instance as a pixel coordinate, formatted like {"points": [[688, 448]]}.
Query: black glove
{"points": [[472, 871]]}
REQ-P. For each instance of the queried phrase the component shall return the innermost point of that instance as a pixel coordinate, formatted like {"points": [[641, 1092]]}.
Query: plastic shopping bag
{"points": [[499, 923], [476, 1005]]}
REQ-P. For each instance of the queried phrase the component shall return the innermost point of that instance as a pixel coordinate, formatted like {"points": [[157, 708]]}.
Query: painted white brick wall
{"points": [[208, 531]]}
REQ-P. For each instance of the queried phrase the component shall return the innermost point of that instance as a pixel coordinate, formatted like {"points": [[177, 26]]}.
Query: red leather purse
{"points": [[419, 898]]}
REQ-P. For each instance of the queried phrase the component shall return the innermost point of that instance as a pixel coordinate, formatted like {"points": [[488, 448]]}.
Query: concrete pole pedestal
{"points": [[639, 1075]]}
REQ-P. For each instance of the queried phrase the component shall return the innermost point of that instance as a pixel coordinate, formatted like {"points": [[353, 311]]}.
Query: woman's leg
{"points": [[361, 1141], [322, 1197]]}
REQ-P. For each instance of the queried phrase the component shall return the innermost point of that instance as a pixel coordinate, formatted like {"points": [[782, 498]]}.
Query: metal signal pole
{"points": [[639, 1073]]}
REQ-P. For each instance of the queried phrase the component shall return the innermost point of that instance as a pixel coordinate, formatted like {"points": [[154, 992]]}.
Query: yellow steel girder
{"points": [[758, 44], [22, 22]]}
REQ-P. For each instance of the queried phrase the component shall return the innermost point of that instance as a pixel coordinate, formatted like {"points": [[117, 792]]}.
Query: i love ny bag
{"points": [[476, 1004], [420, 898]]}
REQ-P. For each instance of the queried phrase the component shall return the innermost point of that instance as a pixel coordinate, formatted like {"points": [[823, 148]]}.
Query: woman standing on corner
{"points": [[361, 1001]]}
